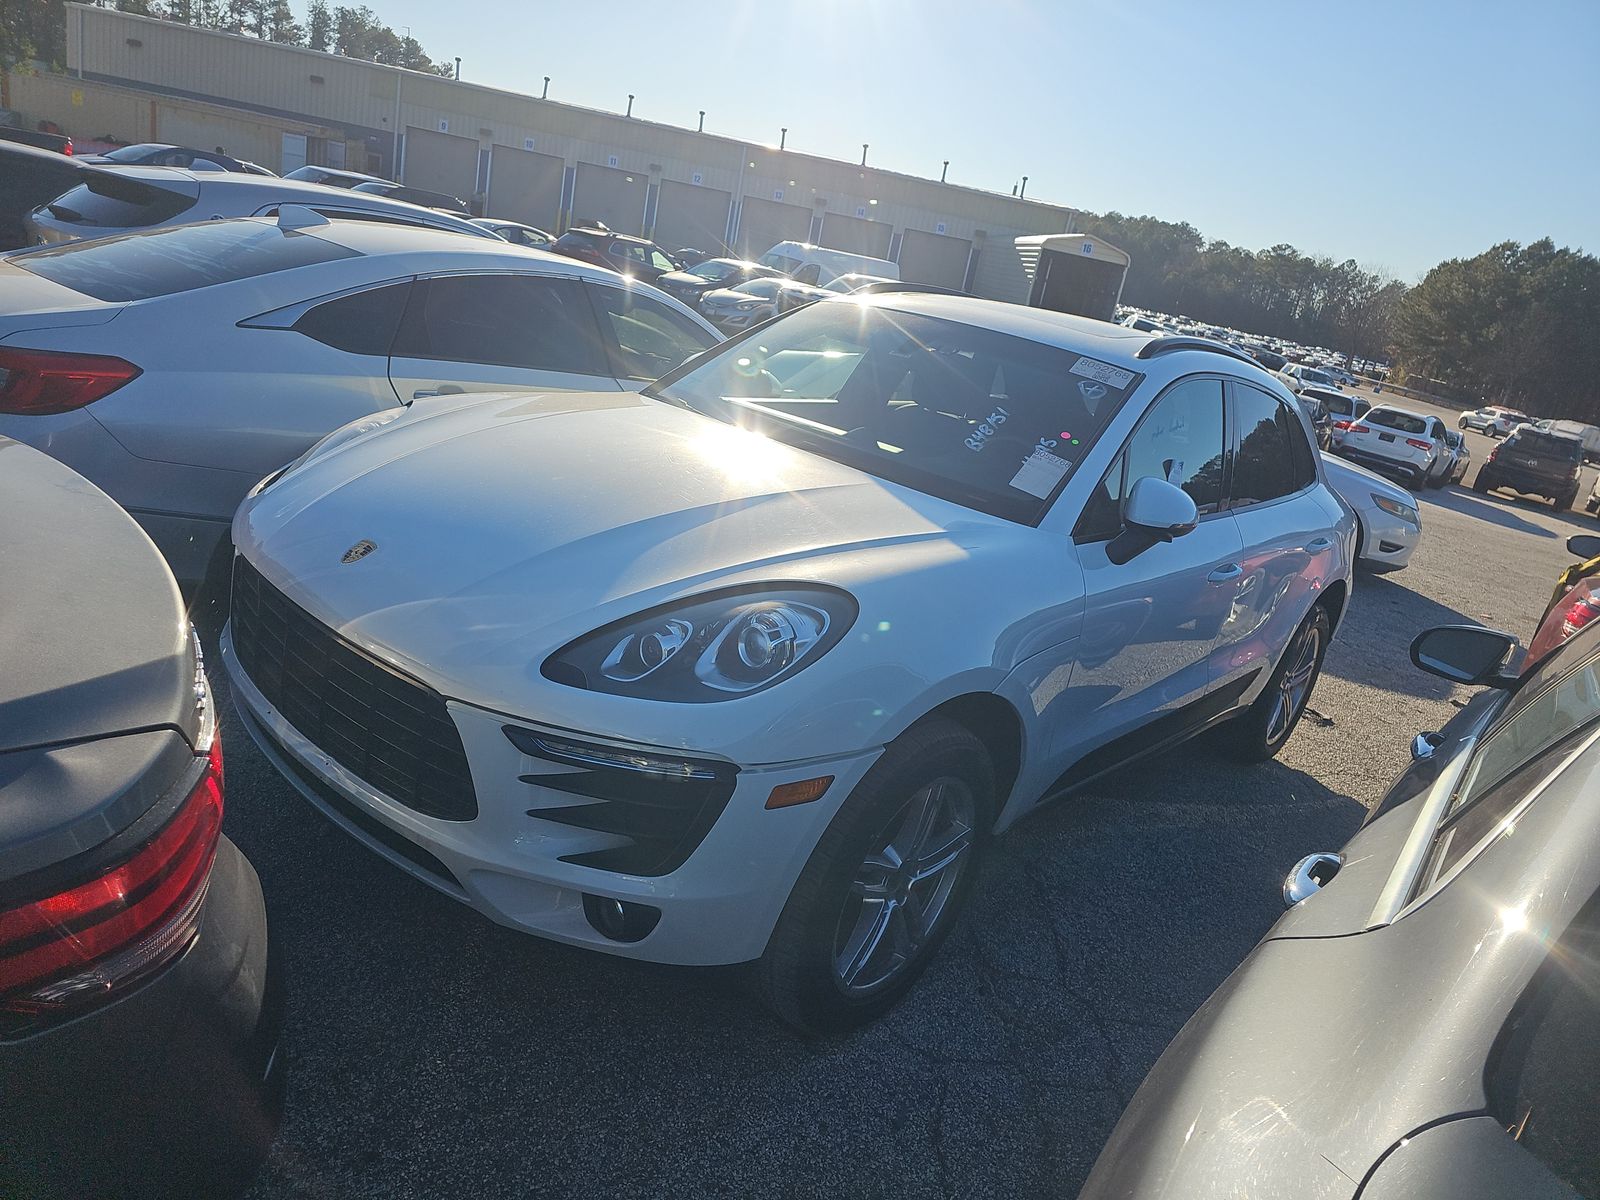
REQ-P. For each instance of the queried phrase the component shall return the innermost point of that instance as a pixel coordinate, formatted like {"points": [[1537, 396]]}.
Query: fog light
{"points": [[620, 920]]}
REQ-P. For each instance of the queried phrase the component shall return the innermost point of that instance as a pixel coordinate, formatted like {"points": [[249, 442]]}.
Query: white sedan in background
{"points": [[1390, 523], [174, 368], [748, 668]]}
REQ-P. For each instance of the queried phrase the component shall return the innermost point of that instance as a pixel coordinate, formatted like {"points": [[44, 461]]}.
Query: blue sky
{"points": [[1396, 133]]}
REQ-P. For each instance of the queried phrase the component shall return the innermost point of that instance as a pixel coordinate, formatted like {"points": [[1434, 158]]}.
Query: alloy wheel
{"points": [[1295, 686], [901, 892]]}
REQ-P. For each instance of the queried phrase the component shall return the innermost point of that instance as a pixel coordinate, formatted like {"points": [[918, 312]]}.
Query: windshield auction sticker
{"points": [[1040, 473], [1103, 372]]}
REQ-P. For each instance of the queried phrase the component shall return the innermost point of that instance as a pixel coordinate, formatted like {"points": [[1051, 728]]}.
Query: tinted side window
{"points": [[1179, 440], [650, 338], [506, 320], [1273, 459], [362, 323]]}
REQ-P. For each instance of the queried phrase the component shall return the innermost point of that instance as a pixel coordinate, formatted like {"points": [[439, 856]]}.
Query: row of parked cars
{"points": [[684, 649]]}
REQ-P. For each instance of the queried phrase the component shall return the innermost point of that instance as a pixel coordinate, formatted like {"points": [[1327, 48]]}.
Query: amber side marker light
{"points": [[804, 791]]}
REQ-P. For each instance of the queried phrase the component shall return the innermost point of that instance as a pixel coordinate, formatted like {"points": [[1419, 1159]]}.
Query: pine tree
{"points": [[319, 25], [280, 25]]}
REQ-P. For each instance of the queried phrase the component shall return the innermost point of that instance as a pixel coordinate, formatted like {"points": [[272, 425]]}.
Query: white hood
{"points": [[509, 525]]}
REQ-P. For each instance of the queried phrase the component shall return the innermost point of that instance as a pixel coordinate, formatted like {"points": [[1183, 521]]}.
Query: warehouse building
{"points": [[519, 156]]}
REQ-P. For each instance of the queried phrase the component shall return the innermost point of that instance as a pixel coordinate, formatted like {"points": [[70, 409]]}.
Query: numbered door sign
{"points": [[697, 179], [940, 227], [527, 143], [777, 193], [861, 210], [611, 160], [1088, 247], [444, 125]]}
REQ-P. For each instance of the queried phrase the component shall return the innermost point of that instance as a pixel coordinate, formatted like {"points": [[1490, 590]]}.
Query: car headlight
{"points": [[1396, 508], [714, 647], [747, 304]]}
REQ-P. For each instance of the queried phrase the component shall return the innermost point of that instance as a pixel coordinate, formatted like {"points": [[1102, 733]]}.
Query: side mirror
{"points": [[1156, 511], [1161, 509], [1468, 654], [1584, 545]]}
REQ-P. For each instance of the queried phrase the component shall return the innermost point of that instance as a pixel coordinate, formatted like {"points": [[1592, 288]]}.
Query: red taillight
{"points": [[37, 383], [1342, 425], [1419, 443], [81, 942], [1579, 613], [67, 149], [1360, 429]]}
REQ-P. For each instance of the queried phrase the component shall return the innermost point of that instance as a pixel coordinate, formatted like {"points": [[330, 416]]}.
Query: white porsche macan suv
{"points": [[748, 668]]}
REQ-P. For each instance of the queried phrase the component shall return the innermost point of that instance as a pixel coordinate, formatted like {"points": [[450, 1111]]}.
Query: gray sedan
{"points": [[1422, 1022]]}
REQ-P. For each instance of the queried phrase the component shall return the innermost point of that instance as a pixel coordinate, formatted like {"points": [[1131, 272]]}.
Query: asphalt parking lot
{"points": [[433, 1054]]}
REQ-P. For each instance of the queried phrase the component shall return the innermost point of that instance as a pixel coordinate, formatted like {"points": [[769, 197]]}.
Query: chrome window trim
{"points": [[1392, 899], [1504, 826]]}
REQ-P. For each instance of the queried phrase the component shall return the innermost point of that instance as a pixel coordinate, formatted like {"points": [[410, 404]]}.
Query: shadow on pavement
{"points": [[1374, 642], [427, 1044], [1470, 504]]}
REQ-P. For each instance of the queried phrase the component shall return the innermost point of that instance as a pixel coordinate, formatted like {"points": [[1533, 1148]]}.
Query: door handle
{"points": [[424, 393], [444, 389], [1321, 543], [1225, 573]]}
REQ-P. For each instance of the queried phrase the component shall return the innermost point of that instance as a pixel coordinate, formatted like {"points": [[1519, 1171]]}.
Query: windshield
{"points": [[715, 269], [132, 153], [1398, 421], [177, 258], [981, 418]]}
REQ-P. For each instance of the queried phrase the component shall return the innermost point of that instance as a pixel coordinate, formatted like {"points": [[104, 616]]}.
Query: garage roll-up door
{"points": [[691, 216], [441, 162], [609, 195], [764, 223], [933, 258], [525, 187], [856, 236]]}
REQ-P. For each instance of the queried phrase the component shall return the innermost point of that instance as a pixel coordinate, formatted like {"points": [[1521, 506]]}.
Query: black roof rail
{"points": [[1166, 345]]}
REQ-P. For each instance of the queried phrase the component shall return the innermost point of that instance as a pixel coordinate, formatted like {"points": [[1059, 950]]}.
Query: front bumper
{"points": [[176, 1089], [1387, 542], [719, 906]]}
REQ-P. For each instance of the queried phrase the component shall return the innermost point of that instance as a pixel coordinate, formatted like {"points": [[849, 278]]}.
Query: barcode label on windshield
{"points": [[1104, 372]]}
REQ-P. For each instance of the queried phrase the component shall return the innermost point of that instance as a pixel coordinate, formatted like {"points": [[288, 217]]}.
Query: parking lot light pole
{"points": [[783, 137], [702, 128], [863, 154], [944, 170], [545, 95]]}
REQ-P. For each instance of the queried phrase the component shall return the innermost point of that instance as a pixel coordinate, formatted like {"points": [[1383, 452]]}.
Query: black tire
{"points": [[1462, 424], [1481, 484], [1566, 501], [800, 977], [1257, 734], [1590, 505]]}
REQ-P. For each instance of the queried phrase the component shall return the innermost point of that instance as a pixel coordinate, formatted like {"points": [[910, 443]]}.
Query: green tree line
{"points": [[1278, 292], [36, 29], [1516, 325]]}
